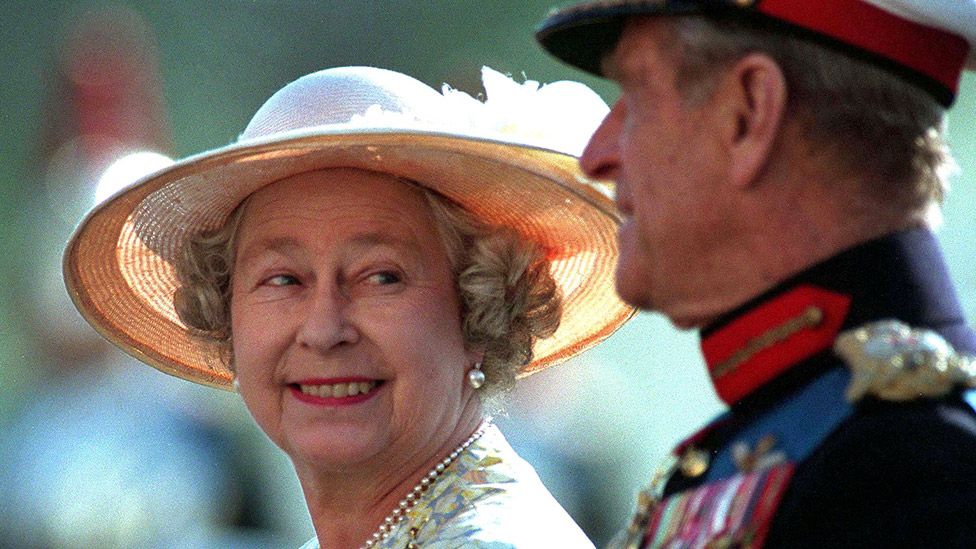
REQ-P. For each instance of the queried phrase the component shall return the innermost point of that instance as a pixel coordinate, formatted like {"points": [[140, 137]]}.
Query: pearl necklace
{"points": [[411, 498]]}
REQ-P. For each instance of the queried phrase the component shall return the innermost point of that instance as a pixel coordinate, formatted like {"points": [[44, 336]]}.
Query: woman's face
{"points": [[346, 327]]}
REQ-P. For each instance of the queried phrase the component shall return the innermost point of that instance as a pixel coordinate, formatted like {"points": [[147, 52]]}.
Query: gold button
{"points": [[813, 316], [694, 462]]}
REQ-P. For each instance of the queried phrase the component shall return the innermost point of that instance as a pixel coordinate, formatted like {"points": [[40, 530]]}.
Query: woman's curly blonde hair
{"points": [[507, 294]]}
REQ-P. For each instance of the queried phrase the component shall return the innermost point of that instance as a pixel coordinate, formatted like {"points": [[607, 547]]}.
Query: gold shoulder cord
{"points": [[892, 361], [887, 359]]}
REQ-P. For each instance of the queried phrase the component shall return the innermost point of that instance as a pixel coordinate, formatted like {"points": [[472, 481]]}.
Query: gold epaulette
{"points": [[892, 361]]}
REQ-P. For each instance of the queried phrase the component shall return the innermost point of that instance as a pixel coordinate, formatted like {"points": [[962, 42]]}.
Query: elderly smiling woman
{"points": [[372, 266]]}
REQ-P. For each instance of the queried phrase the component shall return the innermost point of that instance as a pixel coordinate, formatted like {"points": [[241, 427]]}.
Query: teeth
{"points": [[339, 390]]}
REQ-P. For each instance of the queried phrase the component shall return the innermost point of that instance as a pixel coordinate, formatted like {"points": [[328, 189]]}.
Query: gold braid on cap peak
{"points": [[892, 361]]}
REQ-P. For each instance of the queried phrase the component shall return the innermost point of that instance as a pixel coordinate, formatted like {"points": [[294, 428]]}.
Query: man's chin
{"points": [[632, 288]]}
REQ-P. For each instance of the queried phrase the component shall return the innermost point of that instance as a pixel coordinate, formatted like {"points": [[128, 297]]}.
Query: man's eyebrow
{"points": [[609, 67]]}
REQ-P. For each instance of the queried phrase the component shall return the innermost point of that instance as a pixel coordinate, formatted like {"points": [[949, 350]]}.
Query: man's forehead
{"points": [[616, 63], [639, 39]]}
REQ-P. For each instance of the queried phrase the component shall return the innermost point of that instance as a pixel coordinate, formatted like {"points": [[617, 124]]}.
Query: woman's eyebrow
{"points": [[365, 241], [358, 243], [379, 238], [275, 245]]}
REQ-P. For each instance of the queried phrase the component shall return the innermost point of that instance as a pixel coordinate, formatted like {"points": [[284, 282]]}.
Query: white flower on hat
{"points": [[560, 116]]}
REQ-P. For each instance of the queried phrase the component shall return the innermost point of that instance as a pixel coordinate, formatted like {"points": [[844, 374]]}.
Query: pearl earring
{"points": [[476, 378], [237, 385]]}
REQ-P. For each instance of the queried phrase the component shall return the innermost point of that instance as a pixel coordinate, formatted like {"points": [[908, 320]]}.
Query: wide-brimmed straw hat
{"points": [[510, 160]]}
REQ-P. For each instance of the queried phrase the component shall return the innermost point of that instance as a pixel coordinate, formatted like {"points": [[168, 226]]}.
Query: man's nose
{"points": [[600, 158]]}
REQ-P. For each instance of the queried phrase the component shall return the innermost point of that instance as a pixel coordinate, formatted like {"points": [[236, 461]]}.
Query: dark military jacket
{"points": [[825, 444]]}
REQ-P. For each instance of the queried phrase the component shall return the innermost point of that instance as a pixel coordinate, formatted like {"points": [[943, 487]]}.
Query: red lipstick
{"points": [[315, 398]]}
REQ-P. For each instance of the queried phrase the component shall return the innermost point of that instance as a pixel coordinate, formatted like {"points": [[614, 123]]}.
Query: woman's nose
{"points": [[325, 325]]}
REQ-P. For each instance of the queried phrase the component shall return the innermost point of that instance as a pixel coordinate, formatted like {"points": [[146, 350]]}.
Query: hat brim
{"points": [[117, 265], [583, 34]]}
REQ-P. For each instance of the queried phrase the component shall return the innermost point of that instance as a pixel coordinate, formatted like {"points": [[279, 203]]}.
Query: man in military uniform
{"points": [[778, 164]]}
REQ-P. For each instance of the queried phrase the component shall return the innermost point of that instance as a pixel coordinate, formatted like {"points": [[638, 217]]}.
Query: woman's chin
{"points": [[339, 448]]}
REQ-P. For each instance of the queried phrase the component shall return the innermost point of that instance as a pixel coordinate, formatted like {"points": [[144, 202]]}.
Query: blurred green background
{"points": [[101, 451]]}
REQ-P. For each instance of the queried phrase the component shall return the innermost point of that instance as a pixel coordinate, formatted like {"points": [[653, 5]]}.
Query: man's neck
{"points": [[778, 241]]}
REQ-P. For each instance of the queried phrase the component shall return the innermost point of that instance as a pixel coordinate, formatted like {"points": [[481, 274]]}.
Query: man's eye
{"points": [[383, 278], [281, 280]]}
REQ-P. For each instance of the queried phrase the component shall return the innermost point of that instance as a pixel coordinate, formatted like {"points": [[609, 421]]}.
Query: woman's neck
{"points": [[348, 506]]}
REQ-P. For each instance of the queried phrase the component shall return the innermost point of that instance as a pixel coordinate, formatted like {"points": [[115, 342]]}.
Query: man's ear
{"points": [[754, 95]]}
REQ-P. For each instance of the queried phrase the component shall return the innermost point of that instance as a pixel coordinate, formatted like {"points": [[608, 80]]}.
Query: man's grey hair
{"points": [[874, 123]]}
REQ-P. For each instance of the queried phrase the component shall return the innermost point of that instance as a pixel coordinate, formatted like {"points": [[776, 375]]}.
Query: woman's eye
{"points": [[383, 278], [281, 280]]}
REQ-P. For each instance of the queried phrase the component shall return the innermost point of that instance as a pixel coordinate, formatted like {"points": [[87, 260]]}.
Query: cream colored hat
{"points": [[510, 160]]}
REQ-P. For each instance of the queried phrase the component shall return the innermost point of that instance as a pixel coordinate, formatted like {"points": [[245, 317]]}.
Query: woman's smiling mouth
{"points": [[335, 391]]}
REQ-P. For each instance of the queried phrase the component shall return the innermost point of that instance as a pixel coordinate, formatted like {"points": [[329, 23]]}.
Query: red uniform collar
{"points": [[765, 341], [762, 350]]}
